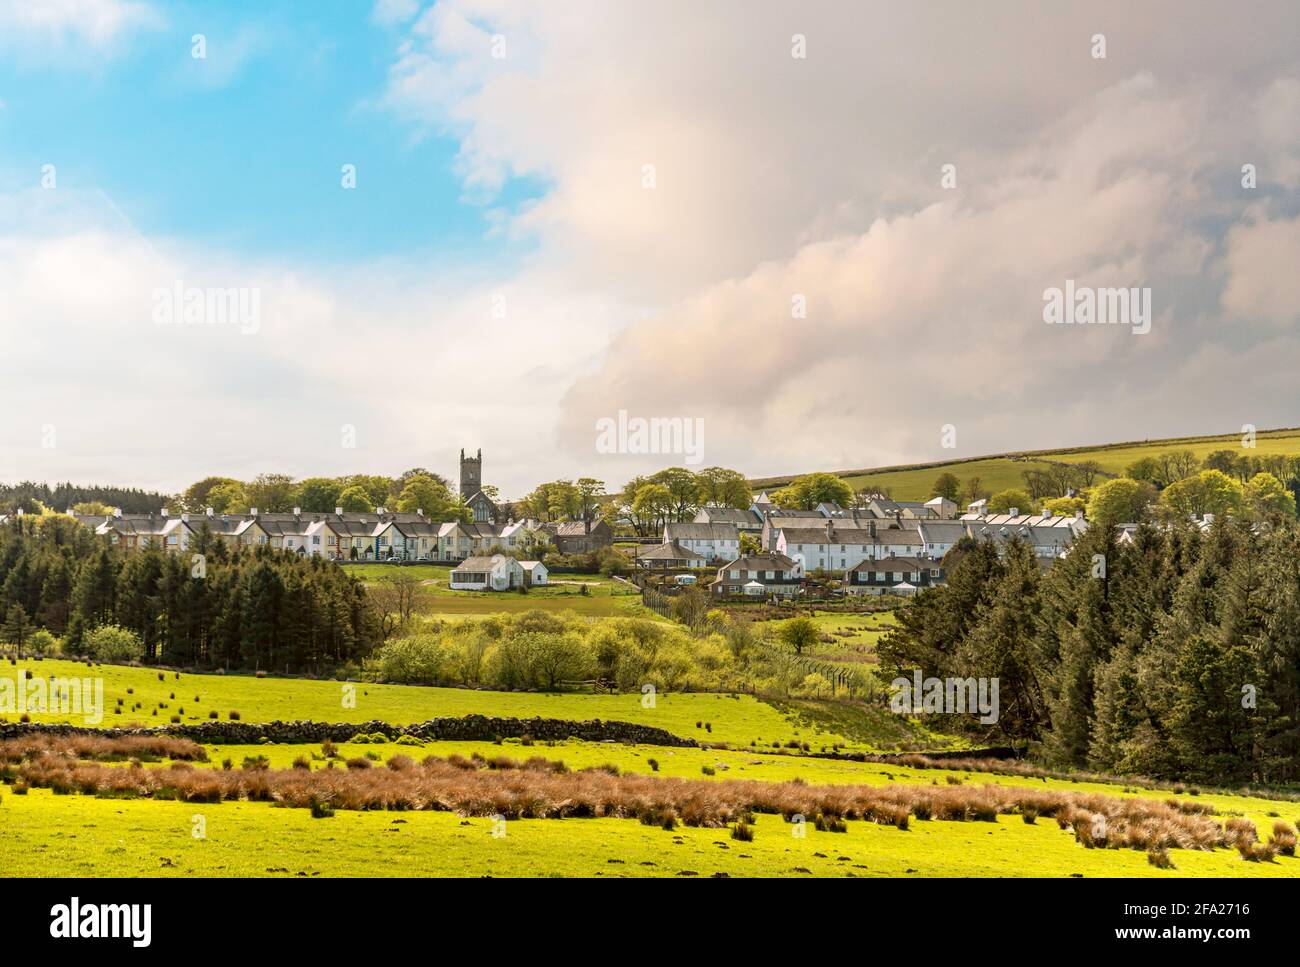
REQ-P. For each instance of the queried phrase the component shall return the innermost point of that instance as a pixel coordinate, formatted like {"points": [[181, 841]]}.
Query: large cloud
{"points": [[779, 177]]}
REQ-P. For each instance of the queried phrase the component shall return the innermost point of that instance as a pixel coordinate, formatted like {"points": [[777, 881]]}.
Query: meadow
{"points": [[79, 835], [603, 597], [1003, 471], [734, 719]]}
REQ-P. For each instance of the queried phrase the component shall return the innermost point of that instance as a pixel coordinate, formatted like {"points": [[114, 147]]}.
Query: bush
{"points": [[234, 716], [321, 809], [114, 643], [1158, 857], [302, 762], [360, 762], [408, 740], [43, 643], [743, 832]]}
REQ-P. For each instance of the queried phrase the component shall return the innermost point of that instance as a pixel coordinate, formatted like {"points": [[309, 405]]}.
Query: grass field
{"points": [[75, 835], [604, 597], [734, 719], [1004, 471]]}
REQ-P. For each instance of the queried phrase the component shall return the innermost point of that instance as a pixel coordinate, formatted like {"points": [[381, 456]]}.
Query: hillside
{"points": [[1000, 471]]}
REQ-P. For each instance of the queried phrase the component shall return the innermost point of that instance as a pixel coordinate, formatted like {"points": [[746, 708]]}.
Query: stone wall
{"points": [[471, 728]]}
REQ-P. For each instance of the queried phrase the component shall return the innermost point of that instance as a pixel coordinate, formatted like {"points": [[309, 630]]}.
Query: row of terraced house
{"points": [[343, 536], [885, 545]]}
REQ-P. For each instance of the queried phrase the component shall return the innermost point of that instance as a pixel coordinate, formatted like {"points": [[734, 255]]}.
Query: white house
{"points": [[535, 572], [496, 573], [714, 542]]}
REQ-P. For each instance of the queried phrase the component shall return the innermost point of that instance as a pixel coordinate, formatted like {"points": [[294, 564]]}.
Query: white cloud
{"points": [[56, 26]]}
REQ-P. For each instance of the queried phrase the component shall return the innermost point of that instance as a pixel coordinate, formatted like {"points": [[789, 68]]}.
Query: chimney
{"points": [[117, 511], [586, 522], [871, 526], [419, 512], [165, 512], [185, 517], [1014, 511], [252, 511], [297, 512], [208, 511], [338, 511], [828, 531]]}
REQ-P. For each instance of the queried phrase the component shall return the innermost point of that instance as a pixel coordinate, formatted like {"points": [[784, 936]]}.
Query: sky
{"points": [[819, 234]]}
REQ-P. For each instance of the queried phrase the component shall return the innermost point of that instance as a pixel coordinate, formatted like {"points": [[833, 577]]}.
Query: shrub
{"points": [[43, 643], [360, 739], [408, 740], [653, 764], [301, 762], [360, 762], [320, 809], [709, 770], [1158, 857], [114, 643], [259, 674], [1284, 837], [329, 750], [743, 832], [234, 716], [214, 714]]}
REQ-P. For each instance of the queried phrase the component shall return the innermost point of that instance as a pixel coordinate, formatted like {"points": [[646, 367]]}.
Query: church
{"points": [[471, 489]]}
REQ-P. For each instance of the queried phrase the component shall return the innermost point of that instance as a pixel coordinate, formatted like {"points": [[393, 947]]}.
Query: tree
{"points": [[749, 543], [589, 492], [799, 634], [114, 644], [806, 492], [1148, 469], [1064, 506], [1209, 492], [228, 498], [653, 505], [1119, 501], [683, 491], [427, 494], [271, 493], [1004, 501], [1267, 499], [318, 495], [355, 500], [17, 628], [947, 486], [720, 487]]}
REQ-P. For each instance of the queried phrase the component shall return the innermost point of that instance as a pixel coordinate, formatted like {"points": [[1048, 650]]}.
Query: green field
{"points": [[734, 719], [74, 835], [1003, 471], [604, 596]]}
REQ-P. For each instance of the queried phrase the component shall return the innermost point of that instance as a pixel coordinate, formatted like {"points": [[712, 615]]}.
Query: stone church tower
{"points": [[471, 474]]}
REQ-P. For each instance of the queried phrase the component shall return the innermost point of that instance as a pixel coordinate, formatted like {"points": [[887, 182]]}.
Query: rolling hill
{"points": [[1000, 471]]}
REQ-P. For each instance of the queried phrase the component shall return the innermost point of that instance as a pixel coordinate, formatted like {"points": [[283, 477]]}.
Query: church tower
{"points": [[471, 474]]}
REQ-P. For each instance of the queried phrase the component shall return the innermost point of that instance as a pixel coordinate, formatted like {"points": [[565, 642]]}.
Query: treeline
{"points": [[244, 608], [1174, 656], [31, 498]]}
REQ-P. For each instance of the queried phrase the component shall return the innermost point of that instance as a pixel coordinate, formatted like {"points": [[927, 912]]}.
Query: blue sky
{"points": [[244, 149]]}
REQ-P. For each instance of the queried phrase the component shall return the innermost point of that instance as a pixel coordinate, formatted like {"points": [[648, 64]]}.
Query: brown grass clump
{"points": [[539, 788], [1159, 858], [1284, 838], [101, 748]]}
